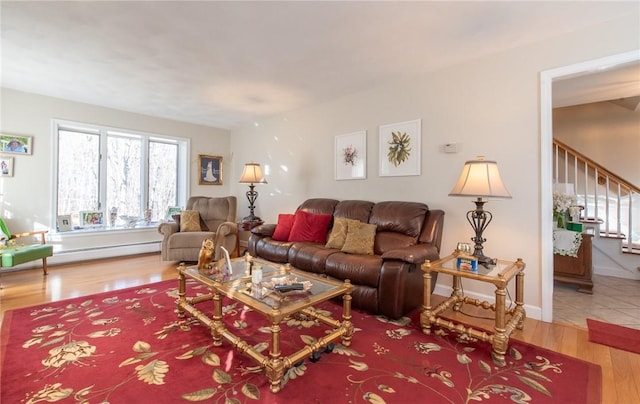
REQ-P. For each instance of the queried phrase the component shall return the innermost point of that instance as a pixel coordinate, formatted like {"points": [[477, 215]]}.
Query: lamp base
{"points": [[484, 260]]}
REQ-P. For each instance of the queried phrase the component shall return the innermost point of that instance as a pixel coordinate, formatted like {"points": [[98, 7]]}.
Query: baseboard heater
{"points": [[92, 253]]}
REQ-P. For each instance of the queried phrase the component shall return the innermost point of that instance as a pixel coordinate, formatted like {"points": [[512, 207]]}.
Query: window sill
{"points": [[83, 231]]}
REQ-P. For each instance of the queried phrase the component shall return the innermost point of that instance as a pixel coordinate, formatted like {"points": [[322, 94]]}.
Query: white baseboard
{"points": [[66, 257]]}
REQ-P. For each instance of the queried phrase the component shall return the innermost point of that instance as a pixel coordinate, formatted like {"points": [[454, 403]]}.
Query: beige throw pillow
{"points": [[338, 232], [189, 220], [360, 238]]}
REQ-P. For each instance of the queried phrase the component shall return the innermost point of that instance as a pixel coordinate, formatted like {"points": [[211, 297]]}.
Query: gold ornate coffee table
{"points": [[499, 275], [275, 306]]}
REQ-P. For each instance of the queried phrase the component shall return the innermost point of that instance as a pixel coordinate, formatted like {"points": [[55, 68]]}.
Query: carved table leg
{"points": [[500, 339], [275, 365], [217, 319], [457, 293], [425, 316], [520, 299], [182, 290], [346, 315]]}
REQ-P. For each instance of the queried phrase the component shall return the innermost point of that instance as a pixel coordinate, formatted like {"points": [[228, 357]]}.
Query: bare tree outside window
{"points": [[163, 177], [78, 172], [124, 175], [137, 172]]}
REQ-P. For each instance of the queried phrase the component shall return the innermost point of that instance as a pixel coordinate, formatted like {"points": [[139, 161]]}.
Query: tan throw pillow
{"points": [[338, 232], [360, 238], [189, 220]]}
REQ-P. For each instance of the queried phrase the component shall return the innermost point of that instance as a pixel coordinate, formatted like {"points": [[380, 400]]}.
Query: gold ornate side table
{"points": [[499, 275]]}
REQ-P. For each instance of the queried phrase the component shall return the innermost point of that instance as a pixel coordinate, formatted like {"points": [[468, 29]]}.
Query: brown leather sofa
{"points": [[390, 281]]}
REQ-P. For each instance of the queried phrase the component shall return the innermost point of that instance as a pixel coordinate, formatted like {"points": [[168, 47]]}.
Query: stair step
{"points": [[627, 250], [613, 235]]}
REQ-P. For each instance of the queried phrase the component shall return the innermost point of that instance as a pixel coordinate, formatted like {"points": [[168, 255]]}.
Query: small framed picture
{"points": [[173, 210], [92, 218], [6, 166], [16, 144], [64, 223], [210, 170]]}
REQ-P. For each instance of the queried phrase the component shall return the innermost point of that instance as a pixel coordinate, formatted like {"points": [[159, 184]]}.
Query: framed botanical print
{"points": [[210, 170], [400, 148], [351, 156]]}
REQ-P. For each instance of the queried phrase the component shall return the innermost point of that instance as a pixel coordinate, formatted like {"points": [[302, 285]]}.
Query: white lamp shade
{"points": [[480, 178], [252, 174]]}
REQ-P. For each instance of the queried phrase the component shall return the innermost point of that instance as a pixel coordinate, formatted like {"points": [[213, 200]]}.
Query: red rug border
{"points": [[605, 335]]}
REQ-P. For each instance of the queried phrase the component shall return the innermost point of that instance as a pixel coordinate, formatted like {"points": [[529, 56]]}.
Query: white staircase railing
{"points": [[606, 198]]}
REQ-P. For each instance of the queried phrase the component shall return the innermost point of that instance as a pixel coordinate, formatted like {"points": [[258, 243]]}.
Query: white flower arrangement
{"points": [[563, 202], [564, 208]]}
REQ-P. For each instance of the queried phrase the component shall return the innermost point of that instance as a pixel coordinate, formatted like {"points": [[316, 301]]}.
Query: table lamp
{"points": [[480, 178], [252, 174]]}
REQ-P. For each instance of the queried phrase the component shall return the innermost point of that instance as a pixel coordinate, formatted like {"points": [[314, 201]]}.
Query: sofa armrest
{"points": [[168, 228], [265, 230], [415, 254]]}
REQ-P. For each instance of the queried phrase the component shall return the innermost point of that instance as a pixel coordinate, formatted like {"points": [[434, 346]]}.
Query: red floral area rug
{"points": [[129, 346], [613, 335]]}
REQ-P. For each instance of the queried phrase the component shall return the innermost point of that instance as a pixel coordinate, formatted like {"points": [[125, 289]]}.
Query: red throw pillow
{"points": [[283, 228], [310, 227]]}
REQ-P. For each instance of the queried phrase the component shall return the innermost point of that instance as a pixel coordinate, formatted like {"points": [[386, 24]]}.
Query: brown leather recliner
{"points": [[390, 281]]}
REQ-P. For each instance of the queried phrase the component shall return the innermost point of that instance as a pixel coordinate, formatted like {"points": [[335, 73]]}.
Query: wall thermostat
{"points": [[451, 148]]}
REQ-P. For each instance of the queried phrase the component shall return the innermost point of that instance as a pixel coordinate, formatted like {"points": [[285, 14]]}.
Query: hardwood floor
{"points": [[620, 369]]}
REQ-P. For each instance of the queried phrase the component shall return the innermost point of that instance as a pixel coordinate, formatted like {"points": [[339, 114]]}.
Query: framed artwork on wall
{"points": [[351, 156], [210, 170], [16, 144], [6, 166], [400, 148]]}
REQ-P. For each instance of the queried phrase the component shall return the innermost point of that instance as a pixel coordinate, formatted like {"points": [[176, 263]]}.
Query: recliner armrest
{"points": [[227, 228], [265, 230], [415, 254]]}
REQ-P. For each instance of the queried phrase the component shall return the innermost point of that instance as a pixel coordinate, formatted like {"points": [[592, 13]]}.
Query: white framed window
{"points": [[100, 169]]}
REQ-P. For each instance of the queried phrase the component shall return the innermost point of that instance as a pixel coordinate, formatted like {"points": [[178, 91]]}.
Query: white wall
{"points": [[605, 132], [26, 199], [489, 106]]}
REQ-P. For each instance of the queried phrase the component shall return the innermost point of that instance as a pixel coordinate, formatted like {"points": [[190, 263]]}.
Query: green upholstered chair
{"points": [[15, 253]]}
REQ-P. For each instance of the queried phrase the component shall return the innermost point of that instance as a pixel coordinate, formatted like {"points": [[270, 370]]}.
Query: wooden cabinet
{"points": [[576, 270]]}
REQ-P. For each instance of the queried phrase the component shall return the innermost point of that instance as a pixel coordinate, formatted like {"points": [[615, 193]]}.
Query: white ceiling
{"points": [[225, 64], [620, 84]]}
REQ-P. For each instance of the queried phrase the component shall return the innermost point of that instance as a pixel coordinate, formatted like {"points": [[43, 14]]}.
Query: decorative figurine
{"points": [[113, 216], [206, 255], [147, 215]]}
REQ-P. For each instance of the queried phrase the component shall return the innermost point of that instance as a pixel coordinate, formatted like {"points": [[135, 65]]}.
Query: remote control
{"points": [[290, 287]]}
